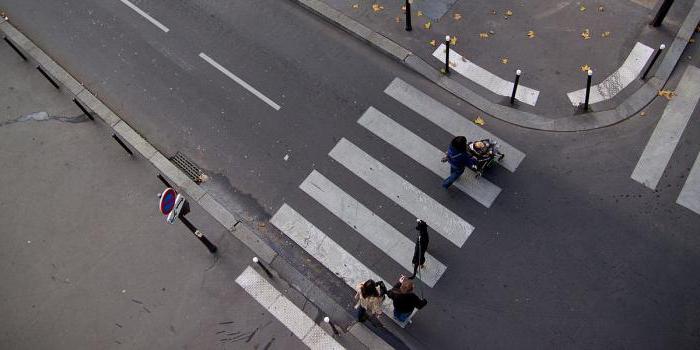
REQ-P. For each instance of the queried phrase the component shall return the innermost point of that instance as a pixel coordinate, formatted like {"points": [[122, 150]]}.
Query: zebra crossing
{"points": [[666, 136], [409, 196]]}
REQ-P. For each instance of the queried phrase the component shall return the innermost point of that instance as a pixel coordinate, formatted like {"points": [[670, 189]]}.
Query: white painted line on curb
{"points": [[402, 192], [301, 325], [370, 226], [617, 81], [146, 15], [486, 79], [668, 131], [240, 81], [449, 120], [427, 155], [690, 194]]}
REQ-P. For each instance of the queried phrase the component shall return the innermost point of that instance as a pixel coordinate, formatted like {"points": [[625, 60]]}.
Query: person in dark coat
{"points": [[459, 158], [405, 301], [421, 247]]}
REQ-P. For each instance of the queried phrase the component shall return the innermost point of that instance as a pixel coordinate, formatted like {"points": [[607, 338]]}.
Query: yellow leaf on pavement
{"points": [[601, 8], [643, 114], [667, 93], [483, 35], [508, 13], [356, 6], [585, 68], [479, 121], [432, 42], [605, 34], [453, 40], [586, 34], [504, 60], [427, 25], [377, 7], [582, 7], [531, 34], [691, 40], [457, 16], [419, 13]]}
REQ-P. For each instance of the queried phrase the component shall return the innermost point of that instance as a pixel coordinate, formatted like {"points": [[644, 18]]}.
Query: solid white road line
{"points": [[449, 120], [668, 131], [427, 155], [402, 192], [301, 325], [146, 16], [370, 226], [327, 252], [690, 194], [486, 79], [240, 81], [617, 81]]}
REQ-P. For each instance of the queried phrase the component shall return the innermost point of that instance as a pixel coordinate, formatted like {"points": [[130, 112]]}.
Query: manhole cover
{"points": [[188, 166]]}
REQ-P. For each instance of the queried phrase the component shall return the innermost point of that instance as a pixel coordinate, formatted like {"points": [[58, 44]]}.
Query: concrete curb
{"points": [[569, 123], [179, 179]]}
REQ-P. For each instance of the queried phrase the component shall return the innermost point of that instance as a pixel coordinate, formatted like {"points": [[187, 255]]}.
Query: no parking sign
{"points": [[170, 204]]}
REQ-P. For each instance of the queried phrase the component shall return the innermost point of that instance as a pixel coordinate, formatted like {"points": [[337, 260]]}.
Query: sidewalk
{"points": [[544, 39], [87, 259]]}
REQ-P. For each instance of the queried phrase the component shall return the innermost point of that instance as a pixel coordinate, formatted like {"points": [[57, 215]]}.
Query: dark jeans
{"points": [[401, 316], [455, 173], [362, 315]]}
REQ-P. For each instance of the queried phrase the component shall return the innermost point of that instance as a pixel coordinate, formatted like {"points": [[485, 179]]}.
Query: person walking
{"points": [[405, 301], [421, 247], [459, 158], [369, 296]]}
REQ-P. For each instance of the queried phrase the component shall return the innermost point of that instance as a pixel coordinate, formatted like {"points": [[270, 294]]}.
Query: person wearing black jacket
{"points": [[421, 247], [405, 301]]}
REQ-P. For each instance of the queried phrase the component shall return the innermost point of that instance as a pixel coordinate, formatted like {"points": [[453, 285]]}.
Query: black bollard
{"points": [[661, 14], [588, 89], [328, 320], [447, 54], [121, 143], [408, 16], [12, 45], [212, 248], [653, 60], [257, 261], [515, 85], [83, 109]]}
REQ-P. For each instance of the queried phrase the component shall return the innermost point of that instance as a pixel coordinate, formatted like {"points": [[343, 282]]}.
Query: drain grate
{"points": [[188, 166]]}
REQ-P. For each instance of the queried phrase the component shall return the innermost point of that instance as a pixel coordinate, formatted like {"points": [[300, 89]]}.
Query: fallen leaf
{"points": [[483, 35], [605, 34], [531, 34], [585, 68], [456, 16], [504, 60], [586, 34], [643, 114], [432, 42], [479, 121], [397, 19], [691, 40], [419, 13], [377, 7], [601, 8], [427, 25], [582, 7], [667, 93], [262, 224], [356, 6], [453, 64], [453, 40], [403, 8], [508, 13]]}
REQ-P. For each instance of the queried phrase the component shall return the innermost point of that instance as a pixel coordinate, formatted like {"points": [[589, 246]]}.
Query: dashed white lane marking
{"points": [[690, 193], [617, 81], [402, 192], [326, 251], [145, 15], [427, 155], [449, 120], [668, 131], [240, 81], [486, 79], [301, 325], [370, 226]]}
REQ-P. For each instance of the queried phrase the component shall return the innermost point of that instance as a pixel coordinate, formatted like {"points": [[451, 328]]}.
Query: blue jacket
{"points": [[459, 159]]}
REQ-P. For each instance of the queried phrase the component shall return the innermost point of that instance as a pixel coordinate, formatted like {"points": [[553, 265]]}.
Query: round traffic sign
{"points": [[167, 201]]}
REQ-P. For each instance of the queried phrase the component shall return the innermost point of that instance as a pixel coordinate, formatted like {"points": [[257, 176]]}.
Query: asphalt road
{"points": [[573, 253]]}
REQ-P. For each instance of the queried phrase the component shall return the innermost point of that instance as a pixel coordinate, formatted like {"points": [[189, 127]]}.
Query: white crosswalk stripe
{"points": [[370, 226], [301, 325], [402, 192], [449, 120], [668, 131], [427, 155], [486, 79], [690, 193], [326, 251]]}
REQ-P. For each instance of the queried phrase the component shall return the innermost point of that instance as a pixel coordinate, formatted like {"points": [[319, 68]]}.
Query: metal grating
{"points": [[188, 166]]}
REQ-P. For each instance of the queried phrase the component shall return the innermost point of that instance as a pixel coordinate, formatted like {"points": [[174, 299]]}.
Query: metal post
{"points": [[257, 261], [653, 60], [212, 248], [661, 14], [83, 109], [447, 54], [408, 16], [515, 85], [328, 320], [9, 42], [121, 143], [48, 77], [588, 89]]}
